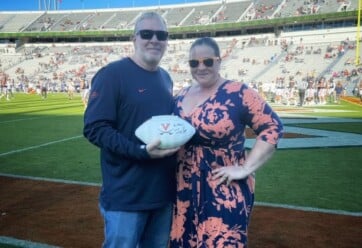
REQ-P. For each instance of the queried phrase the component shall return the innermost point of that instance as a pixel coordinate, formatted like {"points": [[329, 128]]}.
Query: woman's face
{"points": [[204, 65]]}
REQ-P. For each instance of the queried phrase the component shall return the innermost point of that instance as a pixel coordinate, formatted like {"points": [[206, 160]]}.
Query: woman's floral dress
{"points": [[207, 215]]}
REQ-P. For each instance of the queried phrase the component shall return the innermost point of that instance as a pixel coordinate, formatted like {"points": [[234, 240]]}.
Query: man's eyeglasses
{"points": [[147, 34], [206, 61]]}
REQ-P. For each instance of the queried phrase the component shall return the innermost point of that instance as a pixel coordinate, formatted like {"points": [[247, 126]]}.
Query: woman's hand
{"points": [[229, 173], [258, 156]]}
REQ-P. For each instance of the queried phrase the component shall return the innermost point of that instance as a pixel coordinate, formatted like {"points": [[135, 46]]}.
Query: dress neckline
{"points": [[202, 103]]}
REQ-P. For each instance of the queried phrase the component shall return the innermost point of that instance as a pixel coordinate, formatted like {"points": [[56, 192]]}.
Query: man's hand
{"points": [[155, 152]]}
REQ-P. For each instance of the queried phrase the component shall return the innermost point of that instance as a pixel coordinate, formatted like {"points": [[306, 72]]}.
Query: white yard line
{"points": [[23, 119], [53, 180], [309, 209], [39, 146]]}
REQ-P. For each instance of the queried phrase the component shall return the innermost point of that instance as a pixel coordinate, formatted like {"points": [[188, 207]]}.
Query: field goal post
{"points": [[358, 57]]}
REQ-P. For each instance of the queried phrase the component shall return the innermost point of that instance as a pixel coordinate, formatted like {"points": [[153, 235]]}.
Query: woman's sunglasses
{"points": [[206, 61], [147, 34]]}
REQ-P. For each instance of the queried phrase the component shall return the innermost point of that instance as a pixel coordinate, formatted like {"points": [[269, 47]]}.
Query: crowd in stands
{"points": [[272, 66], [177, 15]]}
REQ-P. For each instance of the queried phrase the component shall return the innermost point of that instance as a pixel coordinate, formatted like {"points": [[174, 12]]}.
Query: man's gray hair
{"points": [[149, 15]]}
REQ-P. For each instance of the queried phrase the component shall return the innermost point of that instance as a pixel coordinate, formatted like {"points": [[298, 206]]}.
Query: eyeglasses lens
{"points": [[147, 34], [207, 62], [193, 63]]}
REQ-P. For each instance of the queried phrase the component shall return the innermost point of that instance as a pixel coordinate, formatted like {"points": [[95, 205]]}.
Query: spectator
{"points": [[302, 87], [339, 89]]}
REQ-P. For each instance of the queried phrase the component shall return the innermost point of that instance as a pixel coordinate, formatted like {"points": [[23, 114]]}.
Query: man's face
{"points": [[150, 46]]}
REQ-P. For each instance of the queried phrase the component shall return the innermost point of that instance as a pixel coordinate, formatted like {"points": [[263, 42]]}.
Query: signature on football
{"points": [[171, 129]]}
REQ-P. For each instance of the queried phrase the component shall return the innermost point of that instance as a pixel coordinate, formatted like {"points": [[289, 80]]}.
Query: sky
{"points": [[28, 5]]}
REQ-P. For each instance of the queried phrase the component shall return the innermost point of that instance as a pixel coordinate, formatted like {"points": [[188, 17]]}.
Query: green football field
{"points": [[43, 139]]}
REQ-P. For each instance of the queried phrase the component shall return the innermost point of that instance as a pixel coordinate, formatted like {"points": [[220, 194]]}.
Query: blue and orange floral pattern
{"points": [[207, 214]]}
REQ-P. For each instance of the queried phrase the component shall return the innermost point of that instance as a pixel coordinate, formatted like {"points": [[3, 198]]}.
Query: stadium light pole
{"points": [[357, 62], [45, 5]]}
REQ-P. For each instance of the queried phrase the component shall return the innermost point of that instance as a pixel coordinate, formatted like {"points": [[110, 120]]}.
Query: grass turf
{"points": [[43, 138]]}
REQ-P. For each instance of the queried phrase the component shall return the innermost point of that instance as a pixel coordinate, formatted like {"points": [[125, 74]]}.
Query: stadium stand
{"points": [[266, 61], [176, 15]]}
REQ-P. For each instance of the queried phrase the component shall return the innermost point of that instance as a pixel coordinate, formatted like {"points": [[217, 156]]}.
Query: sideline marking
{"points": [[38, 146], [23, 119], [309, 209], [52, 180], [23, 243], [257, 203]]}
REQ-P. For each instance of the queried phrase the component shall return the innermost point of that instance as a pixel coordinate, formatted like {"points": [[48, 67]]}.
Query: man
{"points": [[85, 88], [70, 88], [44, 88], [138, 180], [302, 87]]}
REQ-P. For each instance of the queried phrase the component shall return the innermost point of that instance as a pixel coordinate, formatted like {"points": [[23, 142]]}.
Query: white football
{"points": [[170, 129]]}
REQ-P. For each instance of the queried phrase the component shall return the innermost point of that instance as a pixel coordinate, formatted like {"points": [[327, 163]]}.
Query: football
{"points": [[170, 129]]}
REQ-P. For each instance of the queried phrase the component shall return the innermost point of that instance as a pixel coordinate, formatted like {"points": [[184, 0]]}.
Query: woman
{"points": [[339, 91], [215, 179]]}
